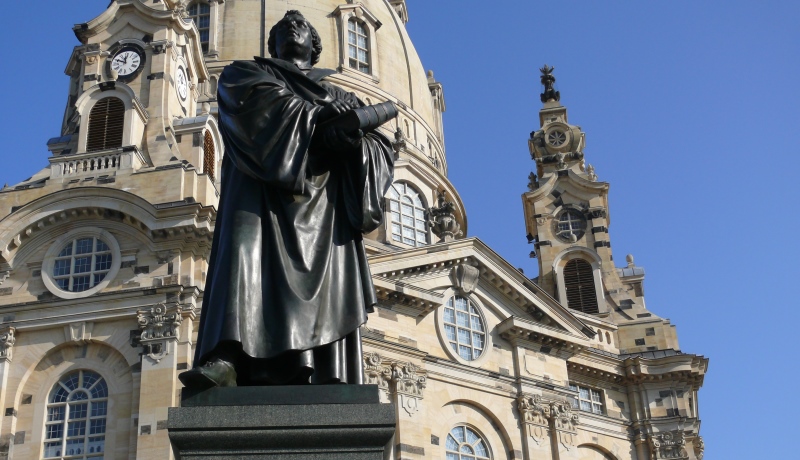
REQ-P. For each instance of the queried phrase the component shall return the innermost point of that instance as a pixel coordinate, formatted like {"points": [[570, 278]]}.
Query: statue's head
{"points": [[294, 37]]}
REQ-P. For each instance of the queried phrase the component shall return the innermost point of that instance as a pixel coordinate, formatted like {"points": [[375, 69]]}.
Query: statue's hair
{"points": [[316, 42]]}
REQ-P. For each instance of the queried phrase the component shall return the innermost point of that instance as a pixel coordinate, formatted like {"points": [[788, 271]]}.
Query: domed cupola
{"points": [[366, 42]]}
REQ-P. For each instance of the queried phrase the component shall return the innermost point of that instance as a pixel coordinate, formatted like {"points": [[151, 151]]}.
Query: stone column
{"points": [[160, 326], [7, 340]]}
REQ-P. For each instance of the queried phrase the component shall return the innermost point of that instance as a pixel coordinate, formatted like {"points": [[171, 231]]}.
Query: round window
{"points": [[464, 443], [464, 328], [556, 138], [81, 263], [571, 225]]}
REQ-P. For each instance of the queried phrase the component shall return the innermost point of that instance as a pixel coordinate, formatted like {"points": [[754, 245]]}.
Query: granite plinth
{"points": [[316, 422]]}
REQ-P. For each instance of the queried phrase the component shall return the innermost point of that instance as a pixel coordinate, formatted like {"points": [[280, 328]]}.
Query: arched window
{"points": [[407, 215], [200, 13], [464, 443], [464, 328], [209, 155], [106, 123], [75, 426], [358, 45], [579, 286]]}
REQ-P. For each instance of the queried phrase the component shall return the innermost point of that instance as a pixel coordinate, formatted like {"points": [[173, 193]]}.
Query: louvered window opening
{"points": [[209, 156], [579, 285], [106, 123], [200, 13]]}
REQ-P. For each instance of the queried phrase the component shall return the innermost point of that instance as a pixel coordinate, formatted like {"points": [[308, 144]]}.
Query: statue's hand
{"points": [[333, 109], [336, 139]]}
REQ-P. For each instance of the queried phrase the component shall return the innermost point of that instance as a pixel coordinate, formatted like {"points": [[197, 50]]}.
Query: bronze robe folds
{"points": [[288, 271]]}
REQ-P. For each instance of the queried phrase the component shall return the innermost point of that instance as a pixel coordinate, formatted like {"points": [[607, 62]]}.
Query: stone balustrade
{"points": [[100, 162]]}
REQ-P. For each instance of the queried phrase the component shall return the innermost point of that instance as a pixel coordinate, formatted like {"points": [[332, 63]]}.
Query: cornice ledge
{"points": [[100, 23], [586, 183], [521, 331], [544, 188], [422, 301]]}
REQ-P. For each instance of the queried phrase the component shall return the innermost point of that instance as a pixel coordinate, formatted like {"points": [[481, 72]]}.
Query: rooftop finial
{"points": [[548, 80]]}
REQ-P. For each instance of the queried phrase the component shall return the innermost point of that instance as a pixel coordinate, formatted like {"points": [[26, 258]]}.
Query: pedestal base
{"points": [[315, 422]]}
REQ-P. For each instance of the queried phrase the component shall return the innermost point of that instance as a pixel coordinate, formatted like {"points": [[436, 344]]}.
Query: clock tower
{"points": [[143, 65], [567, 218]]}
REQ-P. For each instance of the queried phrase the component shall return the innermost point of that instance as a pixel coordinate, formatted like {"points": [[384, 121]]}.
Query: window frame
{"points": [[358, 30], [358, 12], [579, 217], [211, 49], [576, 401], [51, 281], [66, 416], [390, 221], [442, 330], [467, 428]]}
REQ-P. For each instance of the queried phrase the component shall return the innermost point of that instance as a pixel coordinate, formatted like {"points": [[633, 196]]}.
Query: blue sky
{"points": [[690, 112]]}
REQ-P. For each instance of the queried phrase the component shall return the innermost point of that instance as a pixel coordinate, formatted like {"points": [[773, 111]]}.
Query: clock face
{"points": [[182, 83], [126, 63]]}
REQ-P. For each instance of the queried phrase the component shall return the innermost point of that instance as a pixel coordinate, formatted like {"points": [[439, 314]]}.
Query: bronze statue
{"points": [[303, 178]]}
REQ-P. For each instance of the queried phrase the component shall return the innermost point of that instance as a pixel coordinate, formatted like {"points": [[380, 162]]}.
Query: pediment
{"points": [[530, 313]]}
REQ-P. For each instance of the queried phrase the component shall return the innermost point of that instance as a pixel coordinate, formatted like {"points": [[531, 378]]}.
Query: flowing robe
{"points": [[288, 272]]}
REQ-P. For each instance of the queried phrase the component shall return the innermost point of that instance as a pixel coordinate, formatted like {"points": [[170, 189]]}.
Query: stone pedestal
{"points": [[315, 422]]}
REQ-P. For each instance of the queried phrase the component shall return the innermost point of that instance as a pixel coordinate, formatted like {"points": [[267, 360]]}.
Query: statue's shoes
{"points": [[216, 373]]}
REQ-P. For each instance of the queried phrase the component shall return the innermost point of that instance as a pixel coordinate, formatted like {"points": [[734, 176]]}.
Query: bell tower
{"points": [[567, 221]]}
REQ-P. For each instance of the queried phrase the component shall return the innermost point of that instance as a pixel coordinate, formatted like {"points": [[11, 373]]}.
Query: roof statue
{"points": [[548, 80]]}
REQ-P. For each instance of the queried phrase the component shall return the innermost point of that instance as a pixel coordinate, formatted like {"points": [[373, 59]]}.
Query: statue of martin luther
{"points": [[288, 284]]}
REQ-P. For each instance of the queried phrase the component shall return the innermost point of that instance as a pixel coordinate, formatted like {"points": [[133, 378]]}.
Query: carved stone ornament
{"points": [[160, 327], [671, 445], [533, 181], [564, 423], [442, 220], [590, 173], [699, 447], [402, 383], [7, 340], [399, 142], [78, 332], [465, 278], [535, 415]]}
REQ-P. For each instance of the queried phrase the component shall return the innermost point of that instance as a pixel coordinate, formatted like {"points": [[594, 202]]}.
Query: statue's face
{"points": [[293, 38]]}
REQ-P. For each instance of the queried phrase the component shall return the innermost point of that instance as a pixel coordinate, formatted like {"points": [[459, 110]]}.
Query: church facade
{"points": [[104, 252]]}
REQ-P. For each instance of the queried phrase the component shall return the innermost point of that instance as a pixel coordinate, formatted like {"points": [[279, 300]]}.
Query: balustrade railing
{"points": [[103, 162]]}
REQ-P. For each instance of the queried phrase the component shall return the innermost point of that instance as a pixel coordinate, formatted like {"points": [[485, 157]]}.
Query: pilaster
{"points": [[160, 327], [402, 384], [7, 339]]}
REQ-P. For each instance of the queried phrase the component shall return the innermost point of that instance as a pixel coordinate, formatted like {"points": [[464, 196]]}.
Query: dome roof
{"points": [[396, 71]]}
